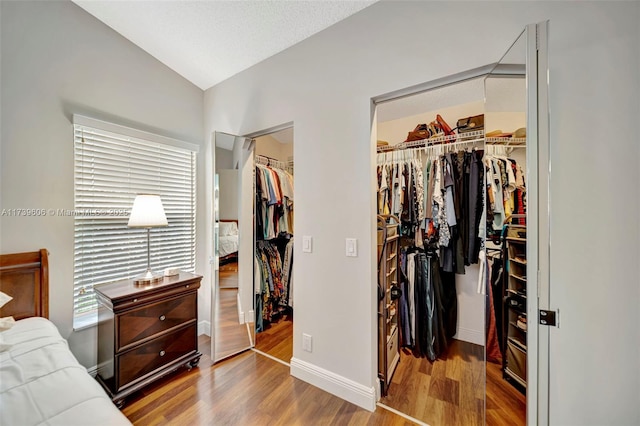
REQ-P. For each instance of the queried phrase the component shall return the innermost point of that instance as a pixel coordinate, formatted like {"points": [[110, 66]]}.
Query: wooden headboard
{"points": [[25, 277]]}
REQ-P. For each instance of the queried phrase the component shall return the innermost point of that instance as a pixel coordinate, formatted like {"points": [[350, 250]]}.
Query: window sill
{"points": [[85, 321]]}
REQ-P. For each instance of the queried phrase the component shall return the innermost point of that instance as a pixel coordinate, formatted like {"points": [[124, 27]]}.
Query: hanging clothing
{"points": [[274, 202]]}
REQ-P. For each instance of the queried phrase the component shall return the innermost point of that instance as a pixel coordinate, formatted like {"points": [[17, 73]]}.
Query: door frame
{"points": [[538, 180]]}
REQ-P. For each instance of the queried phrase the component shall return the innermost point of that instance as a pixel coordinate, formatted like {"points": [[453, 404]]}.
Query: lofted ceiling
{"points": [[208, 41]]}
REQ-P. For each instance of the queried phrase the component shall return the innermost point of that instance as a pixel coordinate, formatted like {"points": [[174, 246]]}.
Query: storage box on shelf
{"points": [[515, 363]]}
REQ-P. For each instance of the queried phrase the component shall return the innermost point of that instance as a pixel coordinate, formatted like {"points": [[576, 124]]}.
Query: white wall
{"points": [[224, 159], [229, 192], [58, 60], [269, 146], [324, 85]]}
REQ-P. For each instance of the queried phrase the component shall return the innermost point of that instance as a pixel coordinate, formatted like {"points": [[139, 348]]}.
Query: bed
{"points": [[41, 382], [228, 241]]}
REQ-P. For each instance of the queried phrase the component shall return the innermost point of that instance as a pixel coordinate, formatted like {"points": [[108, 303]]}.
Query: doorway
{"points": [[273, 219], [469, 356], [252, 297]]}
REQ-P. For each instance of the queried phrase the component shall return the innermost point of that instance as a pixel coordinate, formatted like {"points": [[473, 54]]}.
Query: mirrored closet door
{"points": [[232, 321]]}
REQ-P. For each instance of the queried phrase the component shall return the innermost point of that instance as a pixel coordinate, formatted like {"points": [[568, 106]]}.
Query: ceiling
{"points": [[208, 41]]}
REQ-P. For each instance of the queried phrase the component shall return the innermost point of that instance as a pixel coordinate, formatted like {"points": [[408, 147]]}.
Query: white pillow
{"points": [[6, 323], [4, 299], [228, 228]]}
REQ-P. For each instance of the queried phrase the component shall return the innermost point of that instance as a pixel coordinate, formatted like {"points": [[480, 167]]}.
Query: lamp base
{"points": [[148, 278]]}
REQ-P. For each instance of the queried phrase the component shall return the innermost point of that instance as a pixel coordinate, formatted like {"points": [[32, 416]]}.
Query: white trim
{"points": [[271, 357], [81, 120], [340, 386], [204, 327], [538, 392], [269, 131], [401, 414], [93, 371], [438, 83], [240, 311]]}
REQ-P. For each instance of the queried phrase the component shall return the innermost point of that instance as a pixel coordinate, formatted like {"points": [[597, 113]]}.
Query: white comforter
{"points": [[228, 244], [41, 382]]}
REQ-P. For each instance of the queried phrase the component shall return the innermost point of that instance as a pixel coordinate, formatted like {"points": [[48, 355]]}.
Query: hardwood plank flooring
{"points": [[228, 275], [505, 404], [451, 390], [277, 339], [230, 335], [248, 389]]}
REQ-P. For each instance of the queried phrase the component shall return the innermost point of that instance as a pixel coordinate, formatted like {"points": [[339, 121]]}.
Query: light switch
{"points": [[352, 247], [306, 244]]}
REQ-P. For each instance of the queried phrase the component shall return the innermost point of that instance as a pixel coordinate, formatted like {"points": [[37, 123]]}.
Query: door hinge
{"points": [[549, 318]]}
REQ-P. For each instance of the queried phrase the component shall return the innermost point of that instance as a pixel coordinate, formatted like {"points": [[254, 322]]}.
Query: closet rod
{"points": [[267, 161]]}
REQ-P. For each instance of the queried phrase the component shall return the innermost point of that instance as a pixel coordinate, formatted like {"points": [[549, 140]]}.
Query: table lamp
{"points": [[147, 212]]}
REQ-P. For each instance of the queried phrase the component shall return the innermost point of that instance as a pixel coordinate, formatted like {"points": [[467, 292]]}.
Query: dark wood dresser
{"points": [[146, 332]]}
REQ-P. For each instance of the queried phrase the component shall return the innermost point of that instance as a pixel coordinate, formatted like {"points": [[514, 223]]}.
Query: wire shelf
{"points": [[266, 161], [454, 140]]}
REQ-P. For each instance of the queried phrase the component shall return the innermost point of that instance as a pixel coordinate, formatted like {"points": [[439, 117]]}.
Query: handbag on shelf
{"points": [[420, 132], [446, 129], [470, 124]]}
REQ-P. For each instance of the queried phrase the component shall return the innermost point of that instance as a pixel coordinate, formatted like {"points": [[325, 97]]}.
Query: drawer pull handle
{"points": [[135, 300], [162, 353], [187, 286], [162, 317]]}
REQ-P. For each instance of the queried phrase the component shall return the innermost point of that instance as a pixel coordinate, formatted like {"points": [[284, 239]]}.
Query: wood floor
{"points": [[277, 339], [248, 389], [450, 391], [228, 275], [505, 405], [231, 336]]}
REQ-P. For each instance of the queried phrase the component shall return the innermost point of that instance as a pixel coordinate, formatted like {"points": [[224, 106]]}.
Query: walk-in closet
{"points": [[451, 194], [273, 256]]}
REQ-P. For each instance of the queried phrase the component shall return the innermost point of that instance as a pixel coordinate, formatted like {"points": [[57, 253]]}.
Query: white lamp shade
{"points": [[147, 212]]}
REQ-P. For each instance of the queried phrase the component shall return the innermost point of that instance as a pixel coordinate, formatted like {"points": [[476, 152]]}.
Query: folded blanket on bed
{"points": [[41, 382]]}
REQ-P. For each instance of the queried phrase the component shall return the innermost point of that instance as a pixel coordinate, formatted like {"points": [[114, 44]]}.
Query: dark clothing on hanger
{"points": [[476, 185]]}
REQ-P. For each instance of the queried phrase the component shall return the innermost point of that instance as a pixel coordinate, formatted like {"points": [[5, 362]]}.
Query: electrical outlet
{"points": [[307, 342]]}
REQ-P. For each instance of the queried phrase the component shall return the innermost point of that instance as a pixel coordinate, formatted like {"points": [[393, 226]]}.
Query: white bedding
{"points": [[228, 244], [41, 382]]}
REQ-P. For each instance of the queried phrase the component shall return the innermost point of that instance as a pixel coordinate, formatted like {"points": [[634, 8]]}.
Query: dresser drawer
{"points": [[138, 362], [141, 323]]}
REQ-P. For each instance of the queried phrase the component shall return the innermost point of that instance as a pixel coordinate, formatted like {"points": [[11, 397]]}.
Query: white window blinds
{"points": [[110, 170]]}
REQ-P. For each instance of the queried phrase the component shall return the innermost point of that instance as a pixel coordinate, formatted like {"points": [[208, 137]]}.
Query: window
{"points": [[112, 165]]}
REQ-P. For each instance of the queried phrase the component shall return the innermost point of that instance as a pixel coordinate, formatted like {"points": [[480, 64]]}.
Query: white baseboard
{"points": [[240, 311], [204, 327], [470, 335], [249, 318], [93, 371], [335, 384]]}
